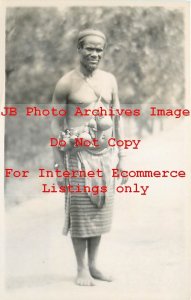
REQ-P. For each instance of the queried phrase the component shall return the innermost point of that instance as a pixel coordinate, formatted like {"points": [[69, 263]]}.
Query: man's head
{"points": [[91, 45]]}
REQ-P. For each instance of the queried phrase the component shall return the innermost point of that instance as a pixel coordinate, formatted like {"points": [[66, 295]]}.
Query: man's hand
{"points": [[59, 180], [122, 162]]}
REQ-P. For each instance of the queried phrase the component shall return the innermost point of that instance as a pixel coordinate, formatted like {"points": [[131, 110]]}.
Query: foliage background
{"points": [[145, 51]]}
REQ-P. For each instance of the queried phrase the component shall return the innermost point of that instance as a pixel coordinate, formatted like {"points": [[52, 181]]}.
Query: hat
{"points": [[86, 32]]}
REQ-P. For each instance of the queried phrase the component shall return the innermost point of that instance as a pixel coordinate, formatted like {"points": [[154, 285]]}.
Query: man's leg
{"points": [[83, 275], [93, 246]]}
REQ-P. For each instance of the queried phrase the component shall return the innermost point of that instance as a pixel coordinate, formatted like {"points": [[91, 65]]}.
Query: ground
{"points": [[146, 251]]}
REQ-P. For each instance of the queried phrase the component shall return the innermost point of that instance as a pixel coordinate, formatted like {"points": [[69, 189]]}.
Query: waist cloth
{"points": [[88, 214]]}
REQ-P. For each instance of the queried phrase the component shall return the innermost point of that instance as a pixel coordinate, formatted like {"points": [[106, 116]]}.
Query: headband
{"points": [[87, 32]]}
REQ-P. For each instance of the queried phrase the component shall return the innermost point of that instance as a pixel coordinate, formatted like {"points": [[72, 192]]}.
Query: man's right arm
{"points": [[57, 123]]}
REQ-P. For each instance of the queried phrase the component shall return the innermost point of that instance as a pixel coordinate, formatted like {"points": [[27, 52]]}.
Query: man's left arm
{"points": [[118, 127]]}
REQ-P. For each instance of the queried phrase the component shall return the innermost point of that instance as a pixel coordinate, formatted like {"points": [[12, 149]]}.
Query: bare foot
{"points": [[95, 273], [84, 278]]}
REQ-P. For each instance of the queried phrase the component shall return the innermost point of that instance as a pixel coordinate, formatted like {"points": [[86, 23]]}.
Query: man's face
{"points": [[91, 52]]}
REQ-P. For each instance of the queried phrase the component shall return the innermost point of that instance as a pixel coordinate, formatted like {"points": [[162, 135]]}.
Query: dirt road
{"points": [[146, 250]]}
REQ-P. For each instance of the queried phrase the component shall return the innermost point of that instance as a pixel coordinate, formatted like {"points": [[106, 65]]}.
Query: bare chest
{"points": [[86, 92]]}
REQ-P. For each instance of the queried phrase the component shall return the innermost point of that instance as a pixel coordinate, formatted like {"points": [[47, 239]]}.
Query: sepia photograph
{"points": [[95, 119]]}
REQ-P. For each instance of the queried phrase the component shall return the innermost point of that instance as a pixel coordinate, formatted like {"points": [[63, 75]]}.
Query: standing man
{"points": [[88, 215]]}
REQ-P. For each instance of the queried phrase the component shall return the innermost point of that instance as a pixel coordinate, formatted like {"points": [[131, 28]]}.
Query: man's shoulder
{"points": [[66, 78], [64, 83]]}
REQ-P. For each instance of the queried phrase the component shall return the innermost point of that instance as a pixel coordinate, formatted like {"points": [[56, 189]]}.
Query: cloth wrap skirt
{"points": [[87, 214]]}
